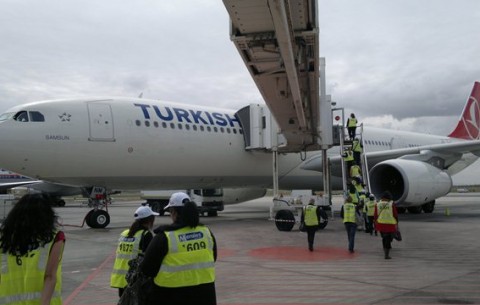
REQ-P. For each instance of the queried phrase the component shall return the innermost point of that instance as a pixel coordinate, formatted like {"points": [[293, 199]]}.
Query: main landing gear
{"points": [[98, 218]]}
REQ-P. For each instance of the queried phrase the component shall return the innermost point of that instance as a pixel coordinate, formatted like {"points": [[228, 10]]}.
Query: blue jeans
{"points": [[351, 230]]}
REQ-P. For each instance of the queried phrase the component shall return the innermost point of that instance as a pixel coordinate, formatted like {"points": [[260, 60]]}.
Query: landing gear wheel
{"points": [[212, 213], [428, 207], [61, 203], [415, 210], [99, 219], [401, 210], [87, 218], [284, 220]]}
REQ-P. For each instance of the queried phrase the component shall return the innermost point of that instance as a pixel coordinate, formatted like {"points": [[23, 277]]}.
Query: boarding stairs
{"points": [[347, 143]]}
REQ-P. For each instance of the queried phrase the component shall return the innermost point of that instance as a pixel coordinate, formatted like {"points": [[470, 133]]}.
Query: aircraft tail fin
{"points": [[468, 126]]}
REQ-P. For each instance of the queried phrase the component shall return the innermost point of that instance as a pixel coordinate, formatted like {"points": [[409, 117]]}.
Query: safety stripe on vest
{"points": [[188, 267], [120, 271], [29, 296]]}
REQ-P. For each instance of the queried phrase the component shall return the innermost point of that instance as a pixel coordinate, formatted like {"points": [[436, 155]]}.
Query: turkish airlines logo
{"points": [[471, 118]]}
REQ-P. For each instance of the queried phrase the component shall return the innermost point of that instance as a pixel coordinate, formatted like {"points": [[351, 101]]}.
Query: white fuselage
{"points": [[146, 144]]}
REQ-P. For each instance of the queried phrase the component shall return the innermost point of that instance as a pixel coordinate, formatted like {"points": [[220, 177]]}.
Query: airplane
{"points": [[108, 143], [7, 177]]}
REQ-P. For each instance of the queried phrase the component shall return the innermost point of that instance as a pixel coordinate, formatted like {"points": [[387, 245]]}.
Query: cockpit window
{"points": [[36, 116], [6, 116], [21, 116], [30, 116]]}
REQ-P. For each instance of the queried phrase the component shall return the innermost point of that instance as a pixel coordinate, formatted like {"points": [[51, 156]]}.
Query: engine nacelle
{"points": [[411, 183]]}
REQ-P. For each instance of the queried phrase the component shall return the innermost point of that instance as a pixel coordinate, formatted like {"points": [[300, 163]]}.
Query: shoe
{"points": [[387, 252], [351, 250], [310, 248]]}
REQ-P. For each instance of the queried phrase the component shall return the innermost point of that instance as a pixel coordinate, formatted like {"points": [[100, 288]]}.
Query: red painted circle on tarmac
{"points": [[302, 254]]}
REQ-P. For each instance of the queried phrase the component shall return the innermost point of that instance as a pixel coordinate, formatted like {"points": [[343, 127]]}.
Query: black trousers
{"points": [[387, 238], [311, 230]]}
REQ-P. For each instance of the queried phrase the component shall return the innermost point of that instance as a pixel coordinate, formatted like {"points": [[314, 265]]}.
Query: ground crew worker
{"points": [[31, 250], [311, 218], [353, 194], [348, 213], [348, 157], [351, 126], [181, 258], [355, 170], [361, 215], [132, 242], [359, 186], [370, 207], [357, 150], [386, 220]]}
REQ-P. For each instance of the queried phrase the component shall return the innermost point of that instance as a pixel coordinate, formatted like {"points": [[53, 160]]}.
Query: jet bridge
{"points": [[279, 42]]}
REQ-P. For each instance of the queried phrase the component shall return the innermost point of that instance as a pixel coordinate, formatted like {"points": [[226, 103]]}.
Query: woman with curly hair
{"points": [[31, 249]]}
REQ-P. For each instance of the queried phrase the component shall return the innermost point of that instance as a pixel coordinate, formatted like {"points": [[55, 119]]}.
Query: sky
{"points": [[405, 64]]}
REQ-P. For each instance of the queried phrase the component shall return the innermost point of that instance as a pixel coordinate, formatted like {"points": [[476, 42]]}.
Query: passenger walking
{"points": [[181, 258], [348, 213], [31, 253], [132, 242], [351, 126], [311, 216], [386, 221]]}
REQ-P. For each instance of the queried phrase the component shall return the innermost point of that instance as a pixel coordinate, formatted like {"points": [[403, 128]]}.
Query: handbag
{"points": [[302, 227], [138, 283], [397, 235]]}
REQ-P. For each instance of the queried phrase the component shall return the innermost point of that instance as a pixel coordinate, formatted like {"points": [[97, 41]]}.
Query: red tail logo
{"points": [[469, 125]]}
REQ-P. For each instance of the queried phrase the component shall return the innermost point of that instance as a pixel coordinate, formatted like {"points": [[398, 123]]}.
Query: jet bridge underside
{"points": [[278, 41]]}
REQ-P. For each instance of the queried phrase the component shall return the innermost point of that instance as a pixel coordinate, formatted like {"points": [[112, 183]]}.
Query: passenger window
{"points": [[36, 116], [21, 116]]}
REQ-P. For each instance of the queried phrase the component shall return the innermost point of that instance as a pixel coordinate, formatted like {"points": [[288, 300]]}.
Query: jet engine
{"points": [[412, 183]]}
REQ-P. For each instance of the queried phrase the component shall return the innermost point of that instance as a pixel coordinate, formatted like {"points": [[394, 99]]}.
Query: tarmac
{"points": [[437, 262]]}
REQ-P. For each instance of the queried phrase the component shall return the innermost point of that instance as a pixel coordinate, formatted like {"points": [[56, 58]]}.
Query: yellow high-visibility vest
{"points": [[356, 146], [352, 122], [385, 212], [370, 207], [310, 217], [355, 171], [354, 197], [22, 277], [128, 248], [348, 156], [349, 212], [189, 261]]}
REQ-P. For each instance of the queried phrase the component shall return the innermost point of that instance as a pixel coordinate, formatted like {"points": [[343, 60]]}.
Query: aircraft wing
{"points": [[279, 43], [9, 185], [45, 187], [444, 156]]}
